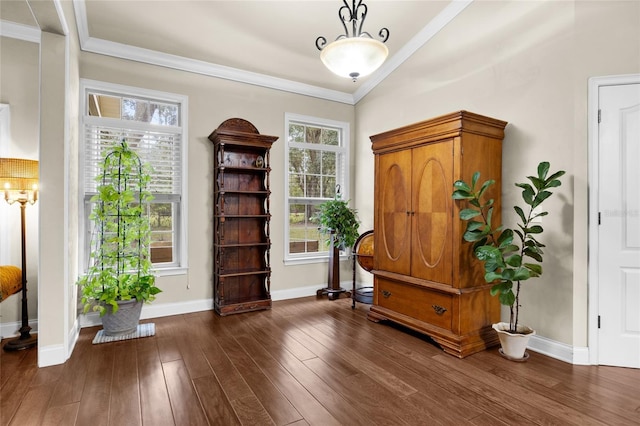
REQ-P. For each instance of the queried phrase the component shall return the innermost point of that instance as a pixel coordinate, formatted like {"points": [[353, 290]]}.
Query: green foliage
{"points": [[505, 261], [336, 216], [120, 265]]}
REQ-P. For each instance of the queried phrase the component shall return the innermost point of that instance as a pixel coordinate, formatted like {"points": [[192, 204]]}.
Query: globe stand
{"points": [[363, 256]]}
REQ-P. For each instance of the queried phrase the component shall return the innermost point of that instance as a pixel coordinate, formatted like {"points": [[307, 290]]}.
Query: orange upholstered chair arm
{"points": [[10, 281]]}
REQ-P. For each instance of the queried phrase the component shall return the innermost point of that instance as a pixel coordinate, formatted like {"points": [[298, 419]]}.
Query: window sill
{"points": [[170, 271], [310, 260]]}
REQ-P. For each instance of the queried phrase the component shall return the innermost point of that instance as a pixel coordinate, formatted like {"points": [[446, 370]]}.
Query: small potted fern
{"points": [[510, 256]]}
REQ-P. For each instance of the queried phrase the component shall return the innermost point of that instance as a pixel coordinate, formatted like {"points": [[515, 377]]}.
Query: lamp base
{"points": [[21, 343]]}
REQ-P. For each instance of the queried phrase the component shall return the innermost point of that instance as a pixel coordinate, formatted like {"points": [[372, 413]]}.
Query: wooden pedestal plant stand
{"points": [[337, 220]]}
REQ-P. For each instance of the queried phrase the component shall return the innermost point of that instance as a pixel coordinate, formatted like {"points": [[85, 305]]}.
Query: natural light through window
{"points": [[317, 163], [153, 125]]}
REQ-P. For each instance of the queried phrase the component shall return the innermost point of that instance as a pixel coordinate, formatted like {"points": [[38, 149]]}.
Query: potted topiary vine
{"points": [[340, 222], [119, 277], [503, 258]]}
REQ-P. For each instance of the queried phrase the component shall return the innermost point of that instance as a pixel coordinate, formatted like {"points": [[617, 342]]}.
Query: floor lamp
{"points": [[20, 180]]}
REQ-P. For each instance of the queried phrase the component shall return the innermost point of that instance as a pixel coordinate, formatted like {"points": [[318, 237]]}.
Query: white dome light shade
{"points": [[354, 57]]}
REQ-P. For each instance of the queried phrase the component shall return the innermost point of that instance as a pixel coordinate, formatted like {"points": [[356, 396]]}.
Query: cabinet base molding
{"points": [[236, 308], [453, 344]]}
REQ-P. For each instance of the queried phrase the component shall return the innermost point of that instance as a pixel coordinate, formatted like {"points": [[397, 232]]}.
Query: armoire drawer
{"points": [[419, 303]]}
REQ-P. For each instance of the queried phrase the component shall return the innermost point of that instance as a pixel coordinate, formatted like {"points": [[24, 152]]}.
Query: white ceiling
{"points": [[270, 43]]}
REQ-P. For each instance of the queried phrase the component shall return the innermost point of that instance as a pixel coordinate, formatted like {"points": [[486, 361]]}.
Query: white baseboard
{"points": [[581, 355], [11, 329], [294, 293], [51, 355], [155, 310], [561, 351], [56, 354]]}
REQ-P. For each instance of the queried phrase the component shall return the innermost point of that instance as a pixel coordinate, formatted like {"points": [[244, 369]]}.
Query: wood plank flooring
{"points": [[305, 362]]}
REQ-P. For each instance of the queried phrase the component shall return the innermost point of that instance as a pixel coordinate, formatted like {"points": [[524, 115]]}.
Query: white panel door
{"points": [[619, 230]]}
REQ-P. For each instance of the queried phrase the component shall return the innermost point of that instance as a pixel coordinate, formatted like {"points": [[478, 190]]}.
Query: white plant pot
{"points": [[514, 344]]}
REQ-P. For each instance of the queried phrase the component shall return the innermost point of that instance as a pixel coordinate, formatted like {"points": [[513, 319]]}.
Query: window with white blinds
{"points": [[153, 124], [160, 149], [317, 164]]}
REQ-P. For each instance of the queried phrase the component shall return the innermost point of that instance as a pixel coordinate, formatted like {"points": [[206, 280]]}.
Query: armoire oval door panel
{"points": [[432, 244], [395, 223]]}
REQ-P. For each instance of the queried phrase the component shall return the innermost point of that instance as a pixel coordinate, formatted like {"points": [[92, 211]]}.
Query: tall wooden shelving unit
{"points": [[241, 242]]}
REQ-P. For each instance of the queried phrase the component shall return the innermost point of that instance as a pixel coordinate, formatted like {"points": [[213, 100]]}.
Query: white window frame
{"points": [[342, 176], [86, 86]]}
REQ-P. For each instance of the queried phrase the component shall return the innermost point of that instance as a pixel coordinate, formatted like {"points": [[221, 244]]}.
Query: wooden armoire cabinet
{"points": [[425, 275], [241, 243]]}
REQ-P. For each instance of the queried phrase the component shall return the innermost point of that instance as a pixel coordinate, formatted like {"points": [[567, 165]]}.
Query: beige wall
{"points": [[526, 63], [53, 271], [523, 62], [19, 88], [211, 101]]}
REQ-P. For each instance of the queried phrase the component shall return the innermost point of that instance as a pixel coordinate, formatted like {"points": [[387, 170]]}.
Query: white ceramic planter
{"points": [[513, 344]]}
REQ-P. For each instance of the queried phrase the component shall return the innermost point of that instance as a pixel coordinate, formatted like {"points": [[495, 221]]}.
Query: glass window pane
{"points": [[136, 110], [329, 163], [296, 160], [297, 228], [313, 233], [303, 234], [312, 186], [328, 187], [296, 133], [296, 185], [150, 112], [314, 162], [164, 114], [313, 134], [162, 232], [103, 106], [330, 137]]}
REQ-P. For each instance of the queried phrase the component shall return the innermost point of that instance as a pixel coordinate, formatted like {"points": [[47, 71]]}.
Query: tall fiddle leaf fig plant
{"points": [[510, 256], [120, 265]]}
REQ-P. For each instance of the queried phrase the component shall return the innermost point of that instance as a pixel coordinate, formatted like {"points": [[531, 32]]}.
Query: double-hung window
{"points": [[317, 164], [154, 125]]}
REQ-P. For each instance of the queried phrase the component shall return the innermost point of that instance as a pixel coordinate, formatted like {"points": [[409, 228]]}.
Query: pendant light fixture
{"points": [[353, 54]]}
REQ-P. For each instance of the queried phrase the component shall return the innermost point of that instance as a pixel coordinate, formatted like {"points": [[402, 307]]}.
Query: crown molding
{"points": [[20, 31], [181, 63], [124, 51], [431, 29]]}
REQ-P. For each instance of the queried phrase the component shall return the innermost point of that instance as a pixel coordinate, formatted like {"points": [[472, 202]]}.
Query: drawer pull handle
{"points": [[386, 294], [439, 309]]}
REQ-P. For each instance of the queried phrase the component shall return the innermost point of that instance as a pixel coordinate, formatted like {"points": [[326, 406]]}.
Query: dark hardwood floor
{"points": [[306, 361]]}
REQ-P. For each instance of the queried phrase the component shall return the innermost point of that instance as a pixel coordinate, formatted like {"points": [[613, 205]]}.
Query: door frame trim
{"points": [[593, 102]]}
